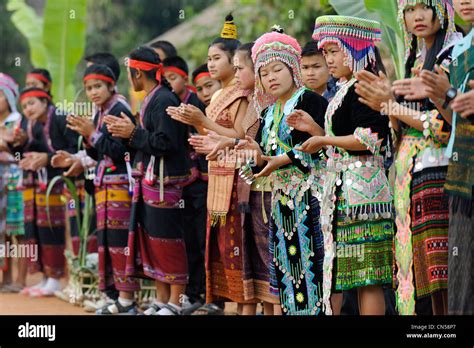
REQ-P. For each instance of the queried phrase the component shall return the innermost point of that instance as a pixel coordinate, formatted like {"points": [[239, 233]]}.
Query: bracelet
{"points": [[237, 140]]}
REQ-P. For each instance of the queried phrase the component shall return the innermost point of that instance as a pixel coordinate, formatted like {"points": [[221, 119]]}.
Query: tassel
{"points": [[162, 175]]}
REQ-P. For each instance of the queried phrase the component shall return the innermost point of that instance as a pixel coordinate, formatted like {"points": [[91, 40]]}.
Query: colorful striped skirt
{"points": [[224, 256], [156, 244], [113, 206], [429, 224], [15, 214], [256, 249], [48, 235]]}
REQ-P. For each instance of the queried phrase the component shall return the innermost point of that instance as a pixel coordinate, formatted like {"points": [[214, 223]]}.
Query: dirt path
{"points": [[16, 304]]}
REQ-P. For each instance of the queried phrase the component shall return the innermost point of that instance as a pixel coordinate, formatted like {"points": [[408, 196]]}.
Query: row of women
{"points": [[321, 178]]}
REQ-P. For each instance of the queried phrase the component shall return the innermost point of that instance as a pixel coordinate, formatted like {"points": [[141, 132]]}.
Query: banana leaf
{"points": [[391, 31], [386, 13], [64, 33], [31, 26]]}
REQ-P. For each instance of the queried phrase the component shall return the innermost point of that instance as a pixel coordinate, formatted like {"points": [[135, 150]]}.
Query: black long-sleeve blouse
{"points": [[104, 144], [315, 106], [352, 114], [161, 136]]}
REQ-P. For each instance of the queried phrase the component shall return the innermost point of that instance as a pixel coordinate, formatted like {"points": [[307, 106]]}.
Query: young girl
{"points": [[254, 200], [47, 133], [194, 193], [205, 85], [421, 243], [39, 78], [460, 177], [112, 183], [224, 115], [11, 200], [357, 203], [296, 242], [156, 245]]}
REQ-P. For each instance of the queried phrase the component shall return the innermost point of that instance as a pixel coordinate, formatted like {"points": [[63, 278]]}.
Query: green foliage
{"points": [[14, 57], [386, 13], [56, 41], [64, 40], [254, 18], [29, 24]]}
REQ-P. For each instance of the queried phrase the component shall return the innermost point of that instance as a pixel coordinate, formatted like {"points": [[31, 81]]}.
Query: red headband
{"points": [[200, 76], [145, 66], [37, 94], [99, 77], [38, 77], [177, 71]]}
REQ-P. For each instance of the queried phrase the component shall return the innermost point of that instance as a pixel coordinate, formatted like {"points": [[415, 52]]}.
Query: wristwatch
{"points": [[450, 95]]}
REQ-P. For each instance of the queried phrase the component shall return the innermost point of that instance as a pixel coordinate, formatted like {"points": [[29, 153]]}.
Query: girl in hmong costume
{"points": [[356, 206], [113, 185], [224, 115], [295, 242], [47, 133], [156, 246], [255, 202], [460, 177], [421, 203], [11, 199], [254, 197]]}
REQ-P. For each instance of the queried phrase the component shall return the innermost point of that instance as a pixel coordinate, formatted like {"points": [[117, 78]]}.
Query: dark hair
{"points": [[247, 49], [147, 54], [33, 89], [105, 58], [198, 70], [43, 72], [229, 46], [166, 46], [311, 49], [100, 69], [176, 62], [432, 53], [378, 64]]}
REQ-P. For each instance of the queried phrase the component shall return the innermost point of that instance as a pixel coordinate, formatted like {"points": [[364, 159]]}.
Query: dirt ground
{"points": [[16, 304]]}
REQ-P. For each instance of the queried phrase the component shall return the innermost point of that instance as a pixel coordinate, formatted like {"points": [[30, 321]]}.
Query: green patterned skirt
{"points": [[14, 214], [363, 254]]}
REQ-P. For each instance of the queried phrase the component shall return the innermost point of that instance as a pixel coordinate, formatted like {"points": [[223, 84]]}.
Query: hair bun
{"points": [[276, 28], [229, 31]]}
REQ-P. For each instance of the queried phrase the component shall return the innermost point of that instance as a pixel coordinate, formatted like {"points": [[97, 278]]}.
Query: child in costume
{"points": [[356, 216], [296, 241], [421, 203]]}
